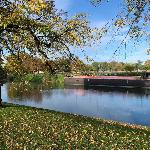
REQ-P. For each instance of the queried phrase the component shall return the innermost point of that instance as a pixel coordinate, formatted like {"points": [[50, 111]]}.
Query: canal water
{"points": [[124, 105]]}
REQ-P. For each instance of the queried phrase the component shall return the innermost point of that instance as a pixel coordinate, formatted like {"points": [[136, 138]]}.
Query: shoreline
{"points": [[25, 127], [108, 121]]}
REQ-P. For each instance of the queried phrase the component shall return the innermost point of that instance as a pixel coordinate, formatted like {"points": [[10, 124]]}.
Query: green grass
{"points": [[37, 129]]}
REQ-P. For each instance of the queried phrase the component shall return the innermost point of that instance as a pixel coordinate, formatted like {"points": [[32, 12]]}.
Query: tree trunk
{"points": [[0, 96], [1, 60]]}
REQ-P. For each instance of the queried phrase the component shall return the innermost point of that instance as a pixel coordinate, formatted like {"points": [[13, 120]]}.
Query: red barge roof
{"points": [[110, 77]]}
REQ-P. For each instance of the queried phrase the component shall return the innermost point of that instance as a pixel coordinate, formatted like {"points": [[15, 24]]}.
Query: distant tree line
{"points": [[27, 64], [120, 66]]}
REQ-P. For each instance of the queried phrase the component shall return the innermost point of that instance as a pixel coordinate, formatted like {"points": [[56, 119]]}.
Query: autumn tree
{"points": [[23, 64], [147, 65], [51, 66], [79, 67], [38, 28], [70, 66]]}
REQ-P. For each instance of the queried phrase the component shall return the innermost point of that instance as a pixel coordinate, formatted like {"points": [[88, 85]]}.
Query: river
{"points": [[124, 105]]}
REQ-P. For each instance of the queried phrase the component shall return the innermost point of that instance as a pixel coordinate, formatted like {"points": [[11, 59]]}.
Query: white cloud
{"points": [[63, 4]]}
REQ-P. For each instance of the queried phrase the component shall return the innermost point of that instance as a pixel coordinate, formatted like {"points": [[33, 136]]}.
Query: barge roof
{"points": [[111, 77]]}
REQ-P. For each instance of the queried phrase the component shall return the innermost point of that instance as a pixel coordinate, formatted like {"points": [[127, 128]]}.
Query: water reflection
{"points": [[114, 90], [27, 91], [126, 105]]}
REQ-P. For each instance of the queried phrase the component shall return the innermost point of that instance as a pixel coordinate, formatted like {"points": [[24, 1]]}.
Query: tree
{"points": [[147, 65], [70, 66], [138, 65], [35, 26], [23, 64], [104, 66], [129, 67], [135, 16], [38, 28], [3, 76], [96, 66], [116, 66], [51, 66]]}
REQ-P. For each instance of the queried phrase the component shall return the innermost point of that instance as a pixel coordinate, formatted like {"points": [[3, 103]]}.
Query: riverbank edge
{"points": [[106, 121], [25, 127]]}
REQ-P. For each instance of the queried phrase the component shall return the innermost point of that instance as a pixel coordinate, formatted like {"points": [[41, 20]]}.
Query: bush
{"points": [[44, 78], [27, 77], [38, 78]]}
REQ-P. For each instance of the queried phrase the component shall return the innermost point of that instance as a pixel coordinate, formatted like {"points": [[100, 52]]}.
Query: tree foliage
{"points": [[107, 66], [67, 65], [129, 67], [36, 26], [135, 17], [114, 66], [3, 75], [23, 64], [27, 64], [147, 65]]}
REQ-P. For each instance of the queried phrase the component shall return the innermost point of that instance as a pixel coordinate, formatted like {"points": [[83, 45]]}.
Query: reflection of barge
{"points": [[114, 81], [138, 92]]}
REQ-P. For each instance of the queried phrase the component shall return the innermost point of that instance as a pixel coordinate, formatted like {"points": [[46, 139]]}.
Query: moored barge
{"points": [[111, 81]]}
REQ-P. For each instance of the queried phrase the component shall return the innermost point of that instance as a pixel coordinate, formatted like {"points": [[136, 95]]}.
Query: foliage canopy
{"points": [[36, 26], [135, 17]]}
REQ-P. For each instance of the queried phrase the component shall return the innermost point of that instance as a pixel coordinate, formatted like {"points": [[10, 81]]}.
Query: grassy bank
{"points": [[30, 128]]}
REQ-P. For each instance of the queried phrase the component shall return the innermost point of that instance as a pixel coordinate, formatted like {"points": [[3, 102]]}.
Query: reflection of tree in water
{"points": [[27, 91], [23, 91]]}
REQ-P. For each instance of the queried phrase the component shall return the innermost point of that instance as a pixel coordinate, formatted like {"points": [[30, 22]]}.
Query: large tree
{"points": [[38, 28]]}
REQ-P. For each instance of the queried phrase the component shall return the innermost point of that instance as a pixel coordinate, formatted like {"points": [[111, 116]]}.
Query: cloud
{"points": [[63, 4]]}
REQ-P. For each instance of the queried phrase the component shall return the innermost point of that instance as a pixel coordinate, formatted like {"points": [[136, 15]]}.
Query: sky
{"points": [[98, 17]]}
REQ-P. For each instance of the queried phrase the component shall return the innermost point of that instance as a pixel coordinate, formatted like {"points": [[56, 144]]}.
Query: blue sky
{"points": [[99, 16]]}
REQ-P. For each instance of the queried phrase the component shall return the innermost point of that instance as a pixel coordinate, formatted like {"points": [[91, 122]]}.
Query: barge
{"points": [[109, 81]]}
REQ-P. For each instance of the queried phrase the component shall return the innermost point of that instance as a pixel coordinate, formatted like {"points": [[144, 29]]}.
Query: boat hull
{"points": [[107, 82]]}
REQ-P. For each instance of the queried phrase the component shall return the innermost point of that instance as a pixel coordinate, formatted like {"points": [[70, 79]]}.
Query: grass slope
{"points": [[30, 128]]}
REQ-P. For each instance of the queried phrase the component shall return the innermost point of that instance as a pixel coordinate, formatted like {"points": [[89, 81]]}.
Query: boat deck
{"points": [[122, 81], [111, 77]]}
